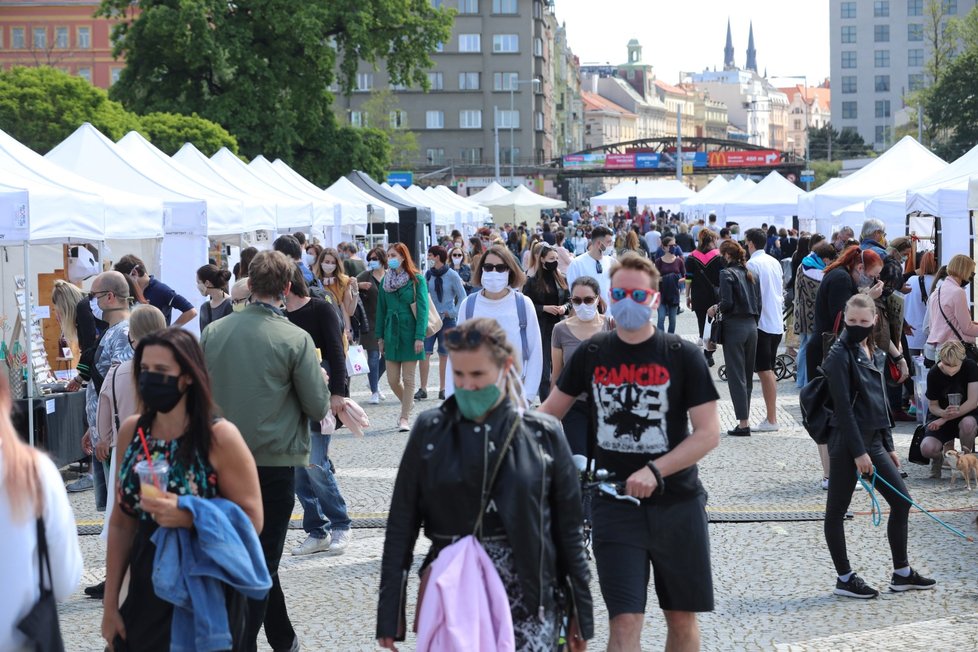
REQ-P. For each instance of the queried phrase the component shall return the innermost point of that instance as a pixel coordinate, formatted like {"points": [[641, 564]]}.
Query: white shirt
{"points": [[585, 265], [915, 310], [654, 240], [770, 275], [504, 312], [18, 553]]}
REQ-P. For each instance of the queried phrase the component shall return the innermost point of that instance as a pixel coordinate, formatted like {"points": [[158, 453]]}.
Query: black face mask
{"points": [[551, 266], [858, 333], [965, 282], [159, 392]]}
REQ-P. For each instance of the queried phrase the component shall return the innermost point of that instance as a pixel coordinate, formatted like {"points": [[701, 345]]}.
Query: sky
{"points": [[791, 38]]}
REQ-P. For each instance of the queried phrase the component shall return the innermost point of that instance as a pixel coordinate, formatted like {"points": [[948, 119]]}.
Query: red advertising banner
{"points": [[744, 159], [619, 162]]}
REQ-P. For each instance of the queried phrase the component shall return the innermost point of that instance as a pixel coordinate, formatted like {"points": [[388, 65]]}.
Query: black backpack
{"points": [[815, 401]]}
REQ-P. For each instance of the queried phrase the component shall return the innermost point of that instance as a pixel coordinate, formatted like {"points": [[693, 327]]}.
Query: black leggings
{"points": [[842, 481], [701, 319]]}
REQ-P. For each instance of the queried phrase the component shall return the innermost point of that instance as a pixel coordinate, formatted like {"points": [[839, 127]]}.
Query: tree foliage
{"points": [[953, 107], [169, 131], [827, 143], [263, 68], [380, 110], [825, 171], [941, 37]]}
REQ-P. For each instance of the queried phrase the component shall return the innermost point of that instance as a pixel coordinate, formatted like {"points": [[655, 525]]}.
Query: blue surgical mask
{"points": [[631, 315], [393, 263], [373, 264]]}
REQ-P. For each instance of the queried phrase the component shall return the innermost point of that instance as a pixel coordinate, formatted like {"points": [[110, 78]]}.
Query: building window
{"points": [[915, 32], [509, 156], [915, 81], [40, 38], [115, 73], [398, 119], [468, 81], [538, 120], [505, 42], [849, 59], [951, 7], [882, 135], [881, 33], [538, 9], [848, 33], [849, 84], [915, 7], [469, 43], [881, 58], [797, 125], [538, 47], [358, 118], [882, 108], [17, 38], [470, 119], [881, 8], [848, 9], [915, 57], [61, 38], [504, 6], [85, 73], [508, 119], [467, 7], [434, 119], [365, 81], [84, 38], [849, 111], [882, 83], [471, 155], [437, 4], [435, 155], [436, 81], [505, 81]]}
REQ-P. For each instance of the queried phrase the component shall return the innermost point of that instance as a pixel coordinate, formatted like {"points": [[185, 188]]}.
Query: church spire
{"points": [[728, 51], [751, 52]]}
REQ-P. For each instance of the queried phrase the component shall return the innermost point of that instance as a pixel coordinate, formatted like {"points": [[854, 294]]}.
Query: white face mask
{"points": [[202, 288], [308, 259], [495, 281], [585, 312], [329, 268], [457, 260], [95, 309]]}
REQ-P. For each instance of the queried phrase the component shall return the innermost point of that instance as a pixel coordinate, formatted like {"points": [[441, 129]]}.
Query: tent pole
{"points": [[28, 329]]}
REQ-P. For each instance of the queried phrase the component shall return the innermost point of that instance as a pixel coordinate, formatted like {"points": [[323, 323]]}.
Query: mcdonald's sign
{"points": [[744, 159]]}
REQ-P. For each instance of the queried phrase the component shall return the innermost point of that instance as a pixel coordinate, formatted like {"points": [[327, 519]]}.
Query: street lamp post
{"points": [[512, 109]]}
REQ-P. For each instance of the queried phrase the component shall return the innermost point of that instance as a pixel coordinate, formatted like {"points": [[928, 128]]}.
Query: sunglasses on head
{"points": [[489, 267], [638, 295], [468, 339], [586, 300]]}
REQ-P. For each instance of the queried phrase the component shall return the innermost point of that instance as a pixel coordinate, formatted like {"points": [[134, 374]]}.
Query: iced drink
{"points": [[153, 477]]}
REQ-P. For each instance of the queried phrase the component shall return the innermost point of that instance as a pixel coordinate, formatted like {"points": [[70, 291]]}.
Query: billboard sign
{"points": [[403, 179], [744, 159]]}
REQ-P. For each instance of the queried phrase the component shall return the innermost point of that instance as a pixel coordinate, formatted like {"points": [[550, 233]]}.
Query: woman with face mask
{"points": [[860, 441], [207, 458], [330, 272], [586, 319], [369, 283], [526, 518], [457, 261], [546, 287], [498, 275], [212, 282]]}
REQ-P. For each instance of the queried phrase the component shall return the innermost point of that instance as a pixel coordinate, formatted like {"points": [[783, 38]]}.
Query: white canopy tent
{"points": [[700, 203], [264, 168], [656, 192], [773, 198], [973, 194], [460, 215], [349, 216], [492, 192], [734, 189], [521, 205], [376, 209], [477, 213], [945, 194]]}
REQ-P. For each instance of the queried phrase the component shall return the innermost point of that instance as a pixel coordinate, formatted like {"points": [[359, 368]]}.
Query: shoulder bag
{"points": [[828, 339], [434, 319], [970, 351], [40, 625]]}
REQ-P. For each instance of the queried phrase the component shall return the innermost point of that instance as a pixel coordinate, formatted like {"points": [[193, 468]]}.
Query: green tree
{"points": [[169, 131], [953, 107], [824, 171], [263, 68], [827, 143], [383, 112], [941, 37], [42, 106]]}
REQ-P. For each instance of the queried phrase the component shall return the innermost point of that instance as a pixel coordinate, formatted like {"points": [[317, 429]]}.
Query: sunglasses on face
{"points": [[489, 267], [585, 300], [467, 339], [638, 295], [236, 302], [96, 295]]}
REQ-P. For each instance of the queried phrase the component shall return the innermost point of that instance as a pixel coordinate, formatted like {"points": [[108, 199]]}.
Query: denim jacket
{"points": [[191, 567]]}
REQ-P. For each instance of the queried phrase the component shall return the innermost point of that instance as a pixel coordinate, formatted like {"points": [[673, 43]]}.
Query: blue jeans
{"points": [[801, 367], [323, 508], [671, 312], [375, 365]]}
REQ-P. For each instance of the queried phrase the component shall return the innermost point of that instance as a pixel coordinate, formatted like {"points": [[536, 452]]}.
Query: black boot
{"points": [[709, 358]]}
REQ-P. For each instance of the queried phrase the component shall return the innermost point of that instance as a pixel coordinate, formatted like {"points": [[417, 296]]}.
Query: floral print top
{"points": [[196, 479]]}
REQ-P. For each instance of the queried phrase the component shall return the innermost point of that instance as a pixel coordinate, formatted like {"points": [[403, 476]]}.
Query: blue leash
{"points": [[877, 511]]}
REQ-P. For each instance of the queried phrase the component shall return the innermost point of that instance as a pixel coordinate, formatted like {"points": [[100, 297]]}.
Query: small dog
{"points": [[965, 463]]}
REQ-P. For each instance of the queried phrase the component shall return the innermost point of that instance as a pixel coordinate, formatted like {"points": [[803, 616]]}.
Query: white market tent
{"points": [[728, 193], [701, 202], [973, 194], [897, 168], [460, 216], [656, 192], [521, 205], [262, 167], [349, 214], [806, 203], [945, 194], [774, 197], [492, 192], [477, 213], [376, 209]]}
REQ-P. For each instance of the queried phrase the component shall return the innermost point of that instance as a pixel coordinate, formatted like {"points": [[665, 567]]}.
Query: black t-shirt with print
{"points": [[939, 384], [640, 395]]}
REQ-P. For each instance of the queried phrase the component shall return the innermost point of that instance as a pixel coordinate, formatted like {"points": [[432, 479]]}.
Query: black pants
{"points": [[278, 499], [546, 337], [842, 481], [700, 319]]}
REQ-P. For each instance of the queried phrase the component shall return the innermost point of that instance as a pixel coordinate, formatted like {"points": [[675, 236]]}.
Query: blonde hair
{"points": [[961, 267], [21, 480], [951, 352], [145, 320], [66, 297], [861, 301]]}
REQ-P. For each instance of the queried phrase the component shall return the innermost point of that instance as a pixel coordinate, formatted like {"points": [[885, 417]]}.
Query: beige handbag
{"points": [[434, 319]]}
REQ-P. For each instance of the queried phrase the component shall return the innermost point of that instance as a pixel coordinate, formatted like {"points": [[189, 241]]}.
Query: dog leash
{"points": [[877, 511]]}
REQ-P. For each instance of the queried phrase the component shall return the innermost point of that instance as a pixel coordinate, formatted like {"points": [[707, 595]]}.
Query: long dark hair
{"points": [[543, 275], [200, 404]]}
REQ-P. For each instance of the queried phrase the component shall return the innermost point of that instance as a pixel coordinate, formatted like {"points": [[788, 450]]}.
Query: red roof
{"points": [[594, 102], [813, 94], [669, 88]]}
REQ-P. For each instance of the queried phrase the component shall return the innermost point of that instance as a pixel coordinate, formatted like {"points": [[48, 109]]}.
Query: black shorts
{"points": [[950, 430], [674, 538], [767, 351]]}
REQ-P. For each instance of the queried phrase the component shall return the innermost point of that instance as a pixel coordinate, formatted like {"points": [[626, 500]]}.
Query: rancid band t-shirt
{"points": [[640, 396]]}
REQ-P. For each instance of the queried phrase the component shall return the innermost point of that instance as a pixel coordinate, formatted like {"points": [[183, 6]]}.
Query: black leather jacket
{"points": [[537, 494], [739, 297], [860, 408]]}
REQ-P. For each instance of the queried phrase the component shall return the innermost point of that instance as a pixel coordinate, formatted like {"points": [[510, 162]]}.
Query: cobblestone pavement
{"points": [[773, 576]]}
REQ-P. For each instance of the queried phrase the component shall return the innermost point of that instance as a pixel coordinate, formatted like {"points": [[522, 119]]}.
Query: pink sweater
{"points": [[952, 298]]}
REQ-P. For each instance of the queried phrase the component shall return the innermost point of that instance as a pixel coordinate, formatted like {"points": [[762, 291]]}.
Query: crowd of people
{"points": [[574, 316]]}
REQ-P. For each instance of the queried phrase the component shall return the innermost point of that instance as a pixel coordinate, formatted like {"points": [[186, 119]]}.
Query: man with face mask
{"points": [[596, 261], [642, 385]]}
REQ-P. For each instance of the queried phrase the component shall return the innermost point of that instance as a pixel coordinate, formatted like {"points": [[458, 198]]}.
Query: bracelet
{"points": [[660, 485]]}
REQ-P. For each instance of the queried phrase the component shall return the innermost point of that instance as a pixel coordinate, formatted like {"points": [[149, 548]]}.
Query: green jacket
{"points": [[396, 324], [266, 380]]}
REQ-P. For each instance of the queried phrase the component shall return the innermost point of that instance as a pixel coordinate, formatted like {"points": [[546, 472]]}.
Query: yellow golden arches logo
{"points": [[717, 159]]}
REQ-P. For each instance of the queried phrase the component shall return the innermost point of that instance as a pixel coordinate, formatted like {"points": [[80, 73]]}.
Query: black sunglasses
{"points": [[586, 300], [373, 260], [489, 267], [96, 295], [468, 339], [598, 268]]}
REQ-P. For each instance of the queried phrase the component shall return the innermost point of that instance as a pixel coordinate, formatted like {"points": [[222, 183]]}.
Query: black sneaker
{"points": [[855, 588], [441, 395], [709, 358], [912, 582], [420, 395], [739, 432], [97, 591]]}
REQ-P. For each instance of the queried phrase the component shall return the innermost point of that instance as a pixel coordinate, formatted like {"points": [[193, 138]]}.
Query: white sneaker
{"points": [[374, 398], [313, 545], [340, 540], [765, 426], [382, 396]]}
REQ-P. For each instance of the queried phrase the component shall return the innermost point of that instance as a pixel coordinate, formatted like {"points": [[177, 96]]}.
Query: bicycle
{"points": [[594, 482]]}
